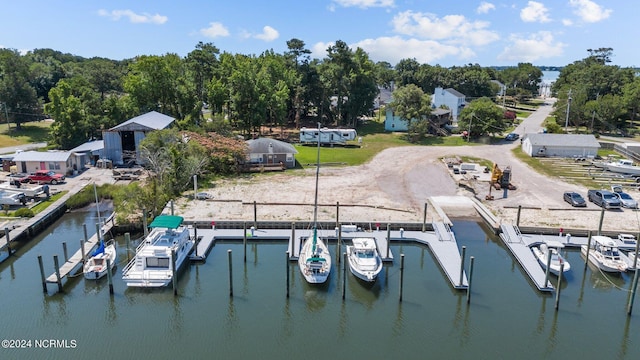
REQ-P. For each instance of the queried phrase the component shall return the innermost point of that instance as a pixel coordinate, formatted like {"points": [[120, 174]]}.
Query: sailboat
{"points": [[96, 265], [314, 259]]}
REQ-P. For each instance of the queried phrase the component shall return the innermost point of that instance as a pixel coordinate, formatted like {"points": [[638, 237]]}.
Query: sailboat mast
{"points": [[315, 201]]}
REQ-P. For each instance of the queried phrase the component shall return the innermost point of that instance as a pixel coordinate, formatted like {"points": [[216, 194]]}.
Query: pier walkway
{"points": [[520, 249], [77, 259], [441, 242]]}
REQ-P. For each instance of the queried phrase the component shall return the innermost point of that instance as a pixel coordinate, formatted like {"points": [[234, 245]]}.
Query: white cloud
{"points": [[365, 3], [268, 34], [540, 45], [143, 18], [485, 7], [567, 22], [215, 30], [451, 28], [589, 11], [535, 12]]}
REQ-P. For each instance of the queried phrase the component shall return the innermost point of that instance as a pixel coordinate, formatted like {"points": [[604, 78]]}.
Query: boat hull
{"points": [[554, 266], [605, 265], [363, 272], [315, 270], [94, 271]]}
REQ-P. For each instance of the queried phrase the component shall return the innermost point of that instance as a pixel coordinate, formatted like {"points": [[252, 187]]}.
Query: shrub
{"points": [[23, 212]]}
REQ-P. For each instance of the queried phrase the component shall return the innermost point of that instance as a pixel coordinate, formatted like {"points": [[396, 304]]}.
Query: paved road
{"points": [[13, 149]]}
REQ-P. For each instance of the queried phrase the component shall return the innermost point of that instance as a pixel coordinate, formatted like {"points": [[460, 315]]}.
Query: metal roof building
{"points": [[270, 151], [560, 145]]}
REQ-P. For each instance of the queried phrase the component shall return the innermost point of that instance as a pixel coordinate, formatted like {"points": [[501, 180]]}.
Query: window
{"points": [[161, 263]]}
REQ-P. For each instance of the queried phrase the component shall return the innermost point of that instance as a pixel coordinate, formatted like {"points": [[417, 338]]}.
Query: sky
{"points": [[444, 32]]}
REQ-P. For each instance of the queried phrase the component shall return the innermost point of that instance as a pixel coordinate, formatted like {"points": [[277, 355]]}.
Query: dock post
{"points": [[57, 266], [632, 296], [518, 217], [401, 274], [144, 222], [109, 278], [64, 251], [98, 231], [337, 213], [586, 258], [172, 212], [44, 279], [127, 241], [464, 251], [601, 221], [286, 267], [195, 233], [86, 236], [344, 276], [424, 218], [230, 274], [470, 277], [82, 252], [339, 242], [6, 235], [255, 214], [388, 239], [546, 271], [244, 240], [293, 236], [174, 278], [559, 288]]}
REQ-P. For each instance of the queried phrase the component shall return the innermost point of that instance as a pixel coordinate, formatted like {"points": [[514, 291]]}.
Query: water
{"points": [[549, 77], [507, 317]]}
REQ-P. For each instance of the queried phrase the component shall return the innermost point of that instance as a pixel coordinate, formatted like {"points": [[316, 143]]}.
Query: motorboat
{"points": [[8, 197], [630, 259], [168, 244], [622, 166], [314, 260], [627, 242], [30, 191], [96, 265], [364, 261], [551, 248], [604, 254]]}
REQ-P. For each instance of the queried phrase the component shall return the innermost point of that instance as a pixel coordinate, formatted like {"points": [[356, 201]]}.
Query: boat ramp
{"points": [[441, 242]]}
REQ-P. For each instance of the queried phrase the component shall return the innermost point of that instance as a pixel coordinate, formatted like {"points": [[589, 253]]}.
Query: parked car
{"points": [[512, 137], [626, 200], [574, 199], [604, 198], [46, 176]]}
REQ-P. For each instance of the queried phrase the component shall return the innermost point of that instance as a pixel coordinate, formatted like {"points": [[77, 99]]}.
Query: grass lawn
{"points": [[45, 203], [36, 131]]}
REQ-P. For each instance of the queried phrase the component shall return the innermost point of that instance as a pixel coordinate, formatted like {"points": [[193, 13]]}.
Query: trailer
{"points": [[327, 136]]}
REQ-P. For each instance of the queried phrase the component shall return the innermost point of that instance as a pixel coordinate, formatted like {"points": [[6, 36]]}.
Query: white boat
{"points": [[8, 197], [626, 242], [96, 266], [542, 252], [314, 259], [30, 191], [604, 254], [630, 259], [364, 261], [152, 265], [623, 166]]}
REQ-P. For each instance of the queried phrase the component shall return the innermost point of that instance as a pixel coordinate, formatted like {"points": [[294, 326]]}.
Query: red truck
{"points": [[45, 176]]}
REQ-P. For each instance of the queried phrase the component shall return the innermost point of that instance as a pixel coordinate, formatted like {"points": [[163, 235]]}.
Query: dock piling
{"points": [[586, 257], [64, 251], [388, 239], [424, 218], [518, 217], [401, 274], [255, 214], [86, 236], [293, 236], [57, 267], [601, 221], [230, 273], [127, 241], [174, 278], [558, 289], [470, 277], [82, 252], [44, 279], [546, 271], [98, 232], [195, 233], [6, 234], [344, 276], [339, 242], [172, 207], [632, 296], [244, 240], [109, 278], [464, 251], [286, 267]]}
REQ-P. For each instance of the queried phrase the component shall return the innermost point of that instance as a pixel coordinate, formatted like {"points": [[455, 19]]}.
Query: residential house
{"points": [[32, 161], [121, 143], [560, 145], [452, 99], [267, 151]]}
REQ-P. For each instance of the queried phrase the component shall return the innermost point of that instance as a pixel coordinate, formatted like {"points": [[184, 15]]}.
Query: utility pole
{"points": [[566, 122], [593, 114]]}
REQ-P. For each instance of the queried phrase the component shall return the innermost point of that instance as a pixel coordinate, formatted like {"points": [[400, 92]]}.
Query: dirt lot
{"points": [[394, 187]]}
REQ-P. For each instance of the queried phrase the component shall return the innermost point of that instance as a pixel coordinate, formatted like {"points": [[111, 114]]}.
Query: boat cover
{"points": [[167, 221]]}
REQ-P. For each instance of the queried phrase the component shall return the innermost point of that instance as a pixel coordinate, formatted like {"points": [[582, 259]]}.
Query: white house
{"points": [[32, 161], [560, 145], [452, 99]]}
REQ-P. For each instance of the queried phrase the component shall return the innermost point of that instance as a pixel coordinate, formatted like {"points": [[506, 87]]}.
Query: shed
{"points": [[32, 161], [87, 153], [121, 143], [560, 145], [267, 151]]}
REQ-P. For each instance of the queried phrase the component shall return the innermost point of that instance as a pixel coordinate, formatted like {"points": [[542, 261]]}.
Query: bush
{"points": [[23, 212]]}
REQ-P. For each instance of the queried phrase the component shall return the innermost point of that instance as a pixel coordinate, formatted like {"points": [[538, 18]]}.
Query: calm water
{"points": [[507, 318]]}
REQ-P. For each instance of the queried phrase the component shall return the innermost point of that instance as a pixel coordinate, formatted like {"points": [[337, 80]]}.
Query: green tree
{"points": [[19, 98], [482, 117], [67, 106], [411, 104]]}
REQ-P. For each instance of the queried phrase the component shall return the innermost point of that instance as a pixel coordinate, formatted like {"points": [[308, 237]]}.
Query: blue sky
{"points": [[448, 33]]}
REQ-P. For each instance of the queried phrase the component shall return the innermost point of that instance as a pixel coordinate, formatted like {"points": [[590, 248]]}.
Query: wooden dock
{"points": [[76, 259], [520, 249]]}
